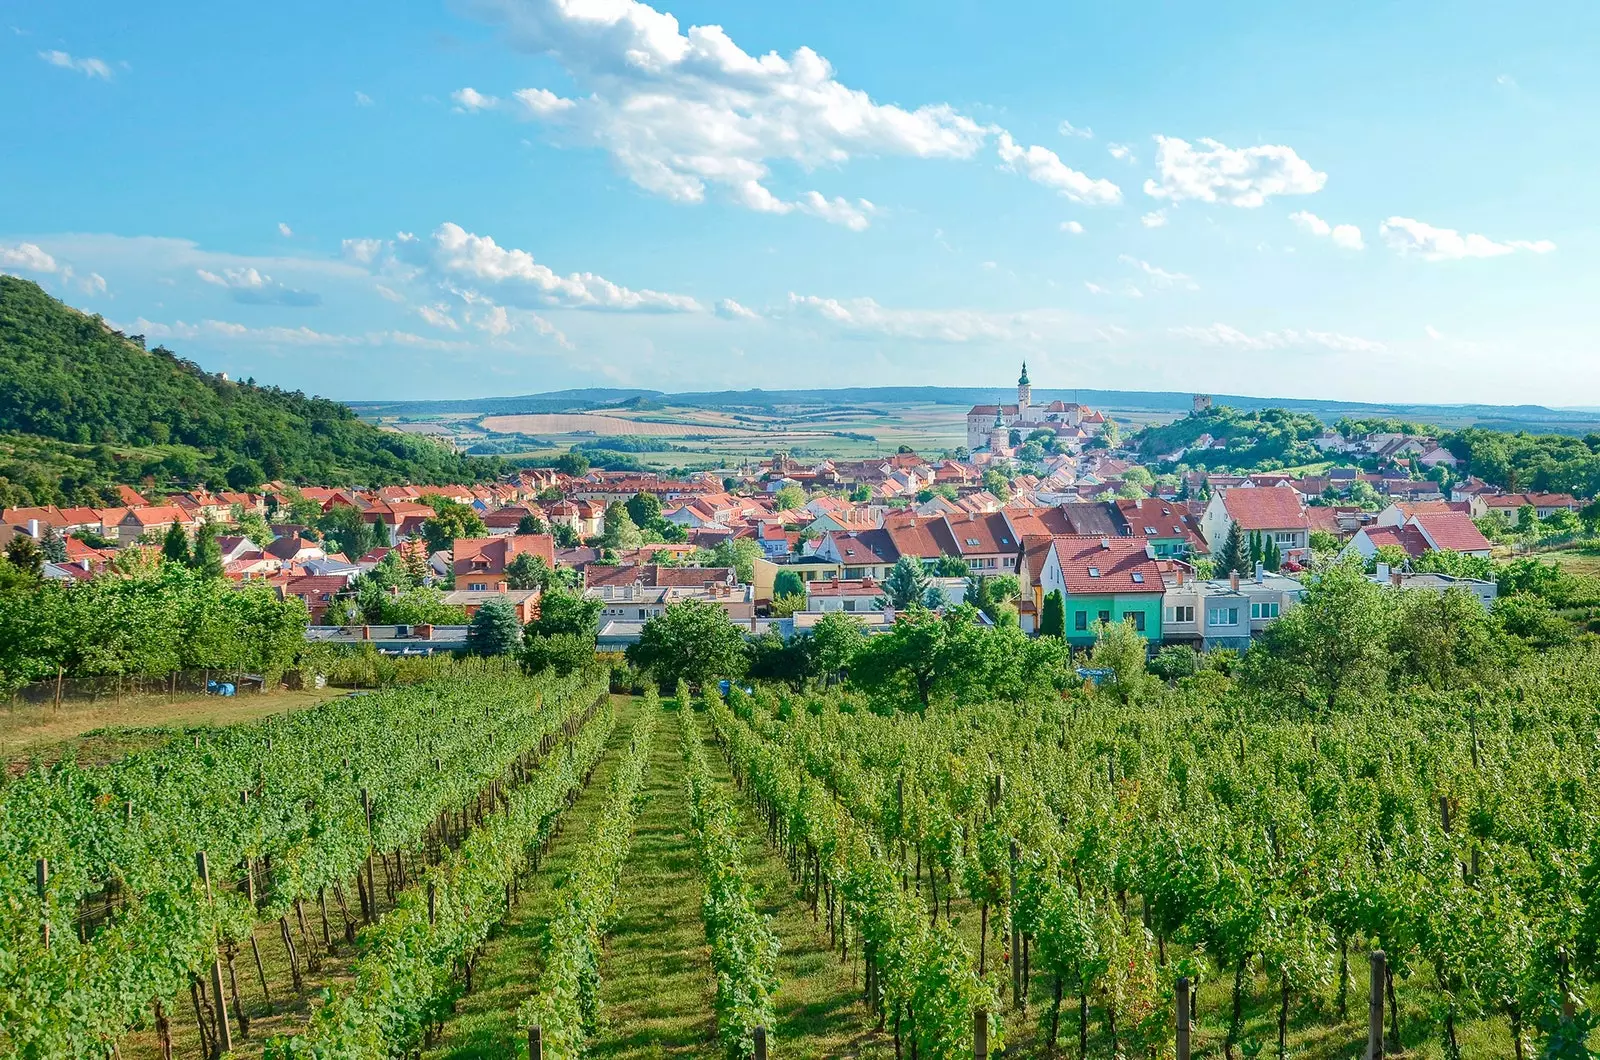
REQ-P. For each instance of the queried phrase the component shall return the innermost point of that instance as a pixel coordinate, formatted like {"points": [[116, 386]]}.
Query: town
{"points": [[1091, 536]]}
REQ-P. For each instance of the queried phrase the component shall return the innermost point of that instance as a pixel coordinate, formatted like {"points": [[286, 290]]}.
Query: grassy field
{"points": [[98, 732]]}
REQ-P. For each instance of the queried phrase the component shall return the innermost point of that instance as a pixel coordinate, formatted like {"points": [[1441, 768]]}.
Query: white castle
{"points": [[990, 426]]}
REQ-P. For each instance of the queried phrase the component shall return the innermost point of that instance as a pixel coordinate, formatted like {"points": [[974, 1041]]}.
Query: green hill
{"points": [[83, 407]]}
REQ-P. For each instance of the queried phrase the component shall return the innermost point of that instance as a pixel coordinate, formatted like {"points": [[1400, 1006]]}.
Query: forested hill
{"points": [[82, 407]]}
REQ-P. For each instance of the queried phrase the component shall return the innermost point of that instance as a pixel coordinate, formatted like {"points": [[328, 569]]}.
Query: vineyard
{"points": [[489, 864]]}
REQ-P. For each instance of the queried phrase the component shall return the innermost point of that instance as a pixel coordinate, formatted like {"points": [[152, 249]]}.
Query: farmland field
{"points": [[642, 878]]}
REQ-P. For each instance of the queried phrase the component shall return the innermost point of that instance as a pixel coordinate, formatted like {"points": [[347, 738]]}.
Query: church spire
{"points": [[1023, 379]]}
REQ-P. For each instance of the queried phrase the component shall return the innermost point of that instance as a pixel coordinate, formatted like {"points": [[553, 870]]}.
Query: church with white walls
{"points": [[990, 426]]}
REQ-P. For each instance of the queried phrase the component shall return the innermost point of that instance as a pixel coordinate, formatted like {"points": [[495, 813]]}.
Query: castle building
{"points": [[1070, 421]]}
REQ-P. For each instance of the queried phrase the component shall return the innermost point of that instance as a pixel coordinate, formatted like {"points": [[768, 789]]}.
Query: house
{"points": [[1547, 504], [290, 549], [986, 541], [1369, 539], [638, 594], [1276, 512], [525, 602], [865, 554], [1225, 612], [927, 540], [1452, 532], [150, 523], [1485, 591], [1166, 527], [128, 497], [479, 563], [316, 591], [852, 595], [1102, 579]]}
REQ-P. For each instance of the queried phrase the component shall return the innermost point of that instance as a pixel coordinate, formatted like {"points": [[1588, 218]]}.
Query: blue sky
{"points": [[453, 199]]}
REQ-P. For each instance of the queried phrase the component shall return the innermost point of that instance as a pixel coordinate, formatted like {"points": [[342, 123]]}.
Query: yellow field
{"points": [[584, 422]]}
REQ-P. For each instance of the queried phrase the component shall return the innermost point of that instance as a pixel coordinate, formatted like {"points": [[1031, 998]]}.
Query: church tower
{"points": [[1024, 395], [999, 436]]}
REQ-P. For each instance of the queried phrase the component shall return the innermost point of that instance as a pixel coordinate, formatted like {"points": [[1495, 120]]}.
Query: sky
{"points": [[458, 198]]}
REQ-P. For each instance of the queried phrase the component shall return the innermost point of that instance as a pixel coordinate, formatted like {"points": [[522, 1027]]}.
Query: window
{"points": [[641, 612], [1150, 531], [1263, 610], [1138, 577], [1136, 618], [1080, 621], [1105, 616], [1180, 614], [478, 587], [849, 605], [1094, 572], [1283, 538], [1222, 616]]}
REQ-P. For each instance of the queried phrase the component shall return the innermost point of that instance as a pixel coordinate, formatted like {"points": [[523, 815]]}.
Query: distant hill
{"points": [[82, 407], [1534, 418]]}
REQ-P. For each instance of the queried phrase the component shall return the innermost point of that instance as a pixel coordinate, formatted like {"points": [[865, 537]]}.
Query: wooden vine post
{"points": [[1379, 978], [535, 1043], [761, 1043], [41, 880], [372, 893], [1016, 940], [224, 1028], [1183, 1017], [980, 1034]]}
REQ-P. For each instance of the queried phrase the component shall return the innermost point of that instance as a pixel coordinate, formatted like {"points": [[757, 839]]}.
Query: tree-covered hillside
{"points": [[1263, 439], [83, 407]]}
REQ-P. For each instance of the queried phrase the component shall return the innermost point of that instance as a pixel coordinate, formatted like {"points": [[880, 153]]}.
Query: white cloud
{"points": [[1159, 276], [1069, 129], [683, 111], [29, 257], [364, 251], [277, 336], [1506, 81], [1043, 166], [1432, 332], [439, 316], [94, 283], [1094, 288], [1226, 335], [728, 309], [1409, 236], [865, 318], [454, 255], [1121, 152], [470, 99], [1154, 219], [988, 265], [1237, 177], [284, 230], [87, 66], [1072, 227], [389, 294], [1346, 236], [250, 286], [494, 321], [363, 100]]}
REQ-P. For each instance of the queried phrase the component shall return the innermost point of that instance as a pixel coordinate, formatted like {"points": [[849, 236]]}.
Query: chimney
{"points": [[1394, 578], [1233, 580], [501, 587], [1179, 572], [1261, 572], [1383, 572]]}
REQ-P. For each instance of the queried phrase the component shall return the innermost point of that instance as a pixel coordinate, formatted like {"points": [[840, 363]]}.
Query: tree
{"points": [[992, 594], [950, 567], [527, 571], [1443, 640], [51, 546], [175, 545], [1111, 434], [927, 658], [835, 640], [1363, 494], [1271, 554], [207, 558], [1392, 556], [23, 554], [740, 553], [1531, 619], [382, 536], [346, 531], [783, 605], [788, 583], [907, 585], [451, 519], [573, 463], [644, 508], [620, 531], [566, 612], [246, 475], [494, 630], [996, 483], [1527, 518], [693, 641], [789, 498], [1332, 647], [565, 536], [1232, 556], [1053, 616], [1323, 543], [861, 494], [1120, 648], [567, 652], [530, 524], [770, 658]]}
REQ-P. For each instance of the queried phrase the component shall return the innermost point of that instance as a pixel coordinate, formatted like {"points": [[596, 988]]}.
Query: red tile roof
{"points": [[1265, 508], [1452, 531], [982, 534], [1107, 565], [492, 555], [1408, 538]]}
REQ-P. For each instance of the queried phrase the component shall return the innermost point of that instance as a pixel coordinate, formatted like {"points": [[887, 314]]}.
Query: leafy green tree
{"points": [[740, 553], [567, 652], [527, 571], [928, 658], [1231, 557], [246, 474], [207, 557], [420, 606], [907, 585], [770, 658], [254, 526], [620, 531], [566, 612], [1531, 619], [996, 483], [1527, 518], [861, 494], [1120, 648], [565, 536], [1323, 543], [1364, 495], [782, 606], [451, 519], [1443, 640], [949, 567], [1174, 661], [693, 641], [1330, 649], [992, 594], [24, 554], [530, 524], [573, 463], [644, 508], [344, 530], [1053, 615], [494, 630], [1393, 556], [835, 640], [788, 583], [175, 545], [1455, 564], [788, 498]]}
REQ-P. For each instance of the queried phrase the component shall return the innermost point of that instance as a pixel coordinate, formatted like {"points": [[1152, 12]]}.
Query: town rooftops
{"points": [[1107, 565], [1452, 531], [1265, 508], [492, 555]]}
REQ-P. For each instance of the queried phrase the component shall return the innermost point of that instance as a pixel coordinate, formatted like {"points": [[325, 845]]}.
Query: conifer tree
{"points": [[1233, 555]]}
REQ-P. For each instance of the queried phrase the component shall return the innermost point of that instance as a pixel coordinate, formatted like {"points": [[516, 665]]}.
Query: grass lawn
{"points": [[1573, 561], [99, 732]]}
